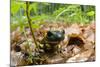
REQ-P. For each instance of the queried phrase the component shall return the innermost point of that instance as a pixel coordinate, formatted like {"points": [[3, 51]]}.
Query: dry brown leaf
{"points": [[72, 30], [16, 58], [55, 59], [89, 45], [91, 38], [82, 57], [76, 50]]}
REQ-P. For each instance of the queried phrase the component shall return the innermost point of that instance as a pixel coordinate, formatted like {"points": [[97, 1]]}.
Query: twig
{"points": [[29, 22]]}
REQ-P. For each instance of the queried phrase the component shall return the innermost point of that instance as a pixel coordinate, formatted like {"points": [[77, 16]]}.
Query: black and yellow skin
{"points": [[52, 39]]}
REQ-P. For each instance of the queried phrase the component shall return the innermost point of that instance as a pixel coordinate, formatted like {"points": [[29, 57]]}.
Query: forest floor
{"points": [[78, 45]]}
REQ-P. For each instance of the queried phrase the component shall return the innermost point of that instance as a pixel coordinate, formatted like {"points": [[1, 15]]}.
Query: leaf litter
{"points": [[77, 46]]}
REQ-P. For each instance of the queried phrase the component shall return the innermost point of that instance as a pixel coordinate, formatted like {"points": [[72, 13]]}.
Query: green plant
{"points": [[41, 12], [29, 22]]}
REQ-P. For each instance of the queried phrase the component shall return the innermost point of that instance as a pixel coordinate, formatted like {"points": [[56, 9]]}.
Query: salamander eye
{"points": [[49, 33]]}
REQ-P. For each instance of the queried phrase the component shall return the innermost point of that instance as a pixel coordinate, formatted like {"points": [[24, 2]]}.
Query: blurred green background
{"points": [[41, 12]]}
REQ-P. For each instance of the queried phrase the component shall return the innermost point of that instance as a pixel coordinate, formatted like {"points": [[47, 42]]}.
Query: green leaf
{"points": [[34, 6], [15, 6], [91, 13], [35, 18], [35, 26]]}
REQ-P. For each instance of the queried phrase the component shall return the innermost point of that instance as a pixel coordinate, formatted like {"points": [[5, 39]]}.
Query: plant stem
{"points": [[29, 22]]}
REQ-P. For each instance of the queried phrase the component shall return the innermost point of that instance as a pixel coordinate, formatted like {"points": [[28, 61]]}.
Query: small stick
{"points": [[29, 22]]}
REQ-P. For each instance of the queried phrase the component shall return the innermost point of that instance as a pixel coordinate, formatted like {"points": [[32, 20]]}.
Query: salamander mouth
{"points": [[53, 42]]}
